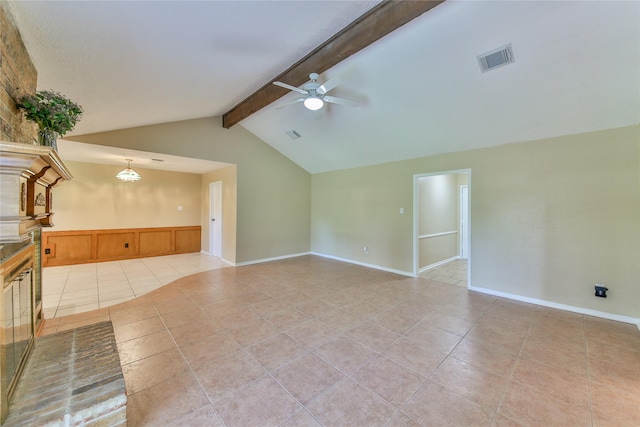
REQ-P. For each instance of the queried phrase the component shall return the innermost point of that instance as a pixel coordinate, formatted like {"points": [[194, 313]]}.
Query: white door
{"points": [[215, 216], [464, 221]]}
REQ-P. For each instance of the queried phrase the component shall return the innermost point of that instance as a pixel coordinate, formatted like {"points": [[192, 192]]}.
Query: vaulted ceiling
{"points": [[420, 88]]}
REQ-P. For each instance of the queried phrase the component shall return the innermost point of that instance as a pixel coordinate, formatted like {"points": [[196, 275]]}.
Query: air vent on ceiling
{"points": [[496, 58], [293, 134]]}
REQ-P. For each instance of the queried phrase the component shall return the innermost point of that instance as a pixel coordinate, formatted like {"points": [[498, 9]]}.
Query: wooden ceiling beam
{"points": [[382, 19]]}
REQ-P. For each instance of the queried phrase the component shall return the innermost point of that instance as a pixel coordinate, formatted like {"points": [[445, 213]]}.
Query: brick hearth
{"points": [[72, 378]]}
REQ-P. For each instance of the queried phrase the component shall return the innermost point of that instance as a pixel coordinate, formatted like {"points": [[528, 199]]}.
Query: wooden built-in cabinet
{"points": [[84, 246], [17, 329]]}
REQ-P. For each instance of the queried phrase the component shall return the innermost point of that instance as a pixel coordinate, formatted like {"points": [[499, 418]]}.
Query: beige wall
{"points": [[549, 218], [436, 249], [228, 177], [95, 199], [438, 199], [437, 204], [273, 193], [360, 207]]}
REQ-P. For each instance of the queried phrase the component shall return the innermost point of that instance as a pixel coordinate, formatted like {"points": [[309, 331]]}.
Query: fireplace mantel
{"points": [[27, 175]]}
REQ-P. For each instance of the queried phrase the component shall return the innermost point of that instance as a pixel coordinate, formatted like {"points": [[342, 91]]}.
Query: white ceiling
{"points": [[577, 69]]}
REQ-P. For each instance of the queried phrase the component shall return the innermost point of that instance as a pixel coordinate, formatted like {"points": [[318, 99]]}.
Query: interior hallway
{"points": [[311, 341]]}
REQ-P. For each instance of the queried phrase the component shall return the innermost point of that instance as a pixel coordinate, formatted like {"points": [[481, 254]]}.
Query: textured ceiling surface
{"points": [[421, 91]]}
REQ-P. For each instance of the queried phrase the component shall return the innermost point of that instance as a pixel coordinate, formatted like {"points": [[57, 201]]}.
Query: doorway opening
{"points": [[442, 230], [215, 218]]}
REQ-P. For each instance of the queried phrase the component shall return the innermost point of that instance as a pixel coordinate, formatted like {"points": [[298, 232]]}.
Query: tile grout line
{"points": [[586, 352], [519, 355], [448, 355], [504, 390], [193, 373], [268, 373]]}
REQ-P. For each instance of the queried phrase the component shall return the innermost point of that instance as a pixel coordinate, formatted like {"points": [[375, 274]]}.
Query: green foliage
{"points": [[50, 110]]}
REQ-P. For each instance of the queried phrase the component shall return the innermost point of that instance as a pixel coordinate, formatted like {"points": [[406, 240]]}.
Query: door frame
{"points": [[215, 213], [464, 225], [416, 213]]}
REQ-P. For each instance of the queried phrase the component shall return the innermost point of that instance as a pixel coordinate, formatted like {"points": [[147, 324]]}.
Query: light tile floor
{"points": [[453, 273], [316, 342], [74, 289]]}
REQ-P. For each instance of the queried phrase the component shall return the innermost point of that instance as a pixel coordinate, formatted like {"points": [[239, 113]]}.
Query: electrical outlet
{"points": [[366, 249], [601, 290]]}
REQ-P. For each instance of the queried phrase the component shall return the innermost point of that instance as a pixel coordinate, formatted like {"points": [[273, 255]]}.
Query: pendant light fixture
{"points": [[128, 174]]}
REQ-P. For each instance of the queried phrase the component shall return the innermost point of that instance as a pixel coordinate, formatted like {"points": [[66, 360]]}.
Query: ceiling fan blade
{"points": [[341, 101], [328, 85], [286, 104], [293, 88]]}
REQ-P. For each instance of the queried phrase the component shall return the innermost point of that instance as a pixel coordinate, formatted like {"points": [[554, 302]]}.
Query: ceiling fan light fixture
{"points": [[128, 174], [315, 94], [313, 103]]}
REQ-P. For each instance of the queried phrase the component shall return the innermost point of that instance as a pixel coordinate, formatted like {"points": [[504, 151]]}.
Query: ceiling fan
{"points": [[315, 94]]}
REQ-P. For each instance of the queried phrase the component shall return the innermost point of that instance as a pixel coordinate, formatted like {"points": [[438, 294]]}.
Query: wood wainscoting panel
{"points": [[154, 243], [187, 241], [85, 246], [116, 245], [70, 249]]}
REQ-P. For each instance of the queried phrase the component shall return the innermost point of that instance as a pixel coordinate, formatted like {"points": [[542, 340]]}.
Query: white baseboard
{"points": [[226, 261], [364, 264], [438, 264], [543, 303], [551, 304], [259, 261]]}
